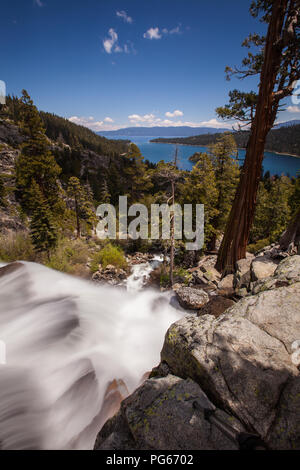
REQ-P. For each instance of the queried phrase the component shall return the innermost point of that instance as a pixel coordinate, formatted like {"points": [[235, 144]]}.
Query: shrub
{"points": [[255, 247], [16, 246], [110, 254], [69, 255]]}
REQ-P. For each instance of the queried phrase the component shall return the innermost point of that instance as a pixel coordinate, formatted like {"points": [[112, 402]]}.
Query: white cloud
{"points": [[149, 120], [145, 120], [122, 14], [155, 33], [175, 30], [152, 33], [39, 3], [91, 123], [109, 43], [176, 113], [293, 109]]}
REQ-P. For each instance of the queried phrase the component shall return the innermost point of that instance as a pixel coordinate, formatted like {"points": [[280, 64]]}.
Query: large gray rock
{"points": [[160, 415], [261, 268], [191, 298], [242, 361], [287, 273], [242, 273]]}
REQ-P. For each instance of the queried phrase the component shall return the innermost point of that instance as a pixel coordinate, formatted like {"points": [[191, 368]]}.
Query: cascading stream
{"points": [[66, 341]]}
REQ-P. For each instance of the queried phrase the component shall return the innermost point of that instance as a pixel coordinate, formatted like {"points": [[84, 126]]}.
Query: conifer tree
{"points": [[138, 178], [277, 62], [200, 187], [83, 206], [36, 163], [227, 174], [43, 231]]}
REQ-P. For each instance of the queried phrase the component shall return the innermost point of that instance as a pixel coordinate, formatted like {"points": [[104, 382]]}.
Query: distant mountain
{"points": [[295, 122], [183, 131]]}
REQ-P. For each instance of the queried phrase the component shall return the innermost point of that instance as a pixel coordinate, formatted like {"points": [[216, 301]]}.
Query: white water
{"points": [[141, 272], [66, 340]]}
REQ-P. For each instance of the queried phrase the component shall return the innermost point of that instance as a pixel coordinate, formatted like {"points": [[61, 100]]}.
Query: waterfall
{"points": [[72, 348], [141, 272]]}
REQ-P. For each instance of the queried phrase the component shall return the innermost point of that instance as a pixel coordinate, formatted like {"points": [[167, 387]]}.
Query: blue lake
{"points": [[274, 163]]}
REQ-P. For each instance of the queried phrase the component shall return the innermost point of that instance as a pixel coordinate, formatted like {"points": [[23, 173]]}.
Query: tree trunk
{"points": [[238, 227], [292, 232], [172, 235]]}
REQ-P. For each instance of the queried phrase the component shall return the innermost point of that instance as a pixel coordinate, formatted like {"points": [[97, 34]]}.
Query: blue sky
{"points": [[109, 64]]}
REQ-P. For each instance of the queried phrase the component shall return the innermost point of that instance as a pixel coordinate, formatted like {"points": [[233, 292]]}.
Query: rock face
{"points": [[191, 298], [160, 415], [245, 362], [242, 360], [261, 268], [109, 275]]}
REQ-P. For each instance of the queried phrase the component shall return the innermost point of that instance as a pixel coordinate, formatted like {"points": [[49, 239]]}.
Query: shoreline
{"points": [[239, 148]]}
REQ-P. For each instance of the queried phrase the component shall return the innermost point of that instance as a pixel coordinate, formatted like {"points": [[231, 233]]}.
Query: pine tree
{"points": [[277, 62], [200, 187], [36, 163], [105, 194], [227, 174], [43, 231], [84, 209], [138, 178]]}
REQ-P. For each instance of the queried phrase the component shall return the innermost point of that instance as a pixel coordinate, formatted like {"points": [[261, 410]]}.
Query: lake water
{"points": [[274, 163]]}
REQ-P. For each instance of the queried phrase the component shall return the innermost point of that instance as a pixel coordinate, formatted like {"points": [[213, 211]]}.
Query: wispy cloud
{"points": [[152, 33], [109, 43], [122, 14], [293, 109], [175, 113], [156, 33], [39, 3], [91, 123], [150, 120]]}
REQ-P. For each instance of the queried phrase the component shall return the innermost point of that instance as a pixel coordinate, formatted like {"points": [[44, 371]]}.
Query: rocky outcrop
{"points": [[245, 362], [191, 298], [10, 133], [160, 415], [109, 275], [262, 267]]}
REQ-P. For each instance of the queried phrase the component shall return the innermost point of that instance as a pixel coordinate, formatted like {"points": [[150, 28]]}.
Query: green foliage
{"points": [[227, 177], [200, 187], [255, 247], [110, 254], [138, 178], [273, 210], [69, 255], [43, 231], [83, 206], [16, 246], [181, 275], [36, 163]]}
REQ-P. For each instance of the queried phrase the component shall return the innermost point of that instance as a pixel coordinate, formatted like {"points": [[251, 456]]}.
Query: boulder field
{"points": [[242, 363]]}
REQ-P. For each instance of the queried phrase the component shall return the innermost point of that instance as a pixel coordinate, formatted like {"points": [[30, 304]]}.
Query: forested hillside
{"points": [[281, 140]]}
